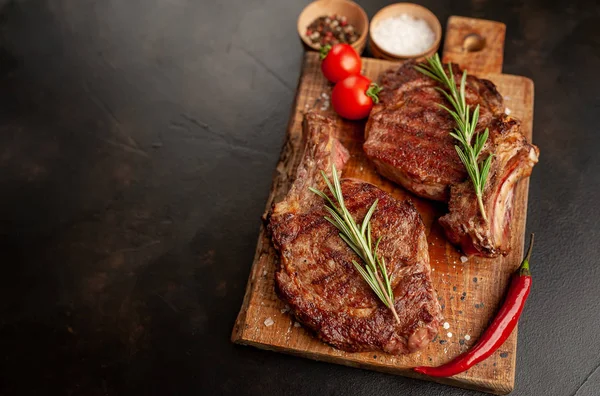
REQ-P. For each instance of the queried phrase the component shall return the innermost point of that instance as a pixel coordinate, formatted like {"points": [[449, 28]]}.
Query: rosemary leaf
{"points": [[359, 240], [367, 218], [468, 151]]}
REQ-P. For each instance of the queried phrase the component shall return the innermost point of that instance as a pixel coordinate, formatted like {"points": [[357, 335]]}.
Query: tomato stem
{"points": [[373, 92], [324, 51]]}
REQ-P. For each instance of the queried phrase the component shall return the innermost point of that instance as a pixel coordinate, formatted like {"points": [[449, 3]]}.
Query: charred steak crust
{"points": [[316, 277], [407, 134], [514, 159], [407, 138]]}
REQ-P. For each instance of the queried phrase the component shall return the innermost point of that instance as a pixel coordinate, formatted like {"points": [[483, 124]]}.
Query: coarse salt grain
{"points": [[403, 35], [507, 111], [467, 337], [449, 335], [296, 324], [269, 322], [446, 325], [463, 259]]}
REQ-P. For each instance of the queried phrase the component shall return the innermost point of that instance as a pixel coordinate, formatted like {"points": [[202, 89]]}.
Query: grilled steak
{"points": [[514, 158], [316, 276], [407, 138], [407, 135]]}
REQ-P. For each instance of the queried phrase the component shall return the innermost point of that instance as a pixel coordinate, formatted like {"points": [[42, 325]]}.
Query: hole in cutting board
{"points": [[473, 42]]}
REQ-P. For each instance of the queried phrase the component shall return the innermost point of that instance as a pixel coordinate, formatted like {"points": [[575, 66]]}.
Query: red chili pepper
{"points": [[498, 331]]}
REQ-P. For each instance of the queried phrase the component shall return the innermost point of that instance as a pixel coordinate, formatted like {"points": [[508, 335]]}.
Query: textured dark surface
{"points": [[137, 144]]}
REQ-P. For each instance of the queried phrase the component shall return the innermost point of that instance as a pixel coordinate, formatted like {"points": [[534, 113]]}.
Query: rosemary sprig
{"points": [[359, 239], [466, 124]]}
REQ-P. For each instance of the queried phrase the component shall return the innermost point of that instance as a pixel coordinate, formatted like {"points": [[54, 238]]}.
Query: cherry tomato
{"points": [[353, 97], [339, 62]]}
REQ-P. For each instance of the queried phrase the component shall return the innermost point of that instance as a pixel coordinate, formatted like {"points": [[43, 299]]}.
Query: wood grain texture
{"points": [[469, 293], [487, 60]]}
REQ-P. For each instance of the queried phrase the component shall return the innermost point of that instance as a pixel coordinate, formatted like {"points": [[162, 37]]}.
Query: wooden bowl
{"points": [[355, 14], [415, 11]]}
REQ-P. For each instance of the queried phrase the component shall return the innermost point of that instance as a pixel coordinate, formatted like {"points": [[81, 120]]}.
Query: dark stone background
{"points": [[137, 144]]}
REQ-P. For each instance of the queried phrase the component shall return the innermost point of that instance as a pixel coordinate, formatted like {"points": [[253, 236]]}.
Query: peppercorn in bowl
{"points": [[329, 22]]}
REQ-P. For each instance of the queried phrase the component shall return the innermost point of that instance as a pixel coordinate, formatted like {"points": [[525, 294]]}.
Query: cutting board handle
{"points": [[475, 44]]}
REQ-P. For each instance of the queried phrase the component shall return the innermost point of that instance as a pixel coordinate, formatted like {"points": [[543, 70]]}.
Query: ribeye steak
{"points": [[316, 276], [514, 158], [408, 139], [407, 135]]}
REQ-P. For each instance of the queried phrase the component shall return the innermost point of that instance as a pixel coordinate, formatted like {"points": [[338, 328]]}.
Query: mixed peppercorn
{"points": [[330, 30]]}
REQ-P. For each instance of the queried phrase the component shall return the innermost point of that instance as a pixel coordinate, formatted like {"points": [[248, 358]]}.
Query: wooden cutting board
{"points": [[469, 293]]}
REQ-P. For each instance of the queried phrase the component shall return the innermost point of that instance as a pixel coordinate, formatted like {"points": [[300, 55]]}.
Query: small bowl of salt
{"points": [[404, 31]]}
